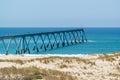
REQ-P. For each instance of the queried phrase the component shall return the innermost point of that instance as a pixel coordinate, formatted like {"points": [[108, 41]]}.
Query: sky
{"points": [[59, 13]]}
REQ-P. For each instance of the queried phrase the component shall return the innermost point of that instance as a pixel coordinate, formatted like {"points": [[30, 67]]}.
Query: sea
{"points": [[100, 40]]}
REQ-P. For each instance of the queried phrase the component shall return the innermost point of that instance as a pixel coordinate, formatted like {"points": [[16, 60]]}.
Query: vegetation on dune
{"points": [[15, 61], [47, 60], [32, 73], [108, 57]]}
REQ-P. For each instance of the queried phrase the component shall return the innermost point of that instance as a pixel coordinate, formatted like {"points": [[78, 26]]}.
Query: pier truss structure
{"points": [[43, 41]]}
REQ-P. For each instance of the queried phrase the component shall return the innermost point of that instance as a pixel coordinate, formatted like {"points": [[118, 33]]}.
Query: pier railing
{"points": [[26, 43]]}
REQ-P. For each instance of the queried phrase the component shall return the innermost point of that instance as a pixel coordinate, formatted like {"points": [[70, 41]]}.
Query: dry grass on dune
{"points": [[32, 73]]}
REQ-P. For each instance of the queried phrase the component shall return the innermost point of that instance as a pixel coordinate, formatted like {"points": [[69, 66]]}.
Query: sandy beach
{"points": [[80, 67]]}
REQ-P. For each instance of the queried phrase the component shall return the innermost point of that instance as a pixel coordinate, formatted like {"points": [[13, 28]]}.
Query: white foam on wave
{"points": [[91, 41], [60, 55], [45, 55], [2, 54]]}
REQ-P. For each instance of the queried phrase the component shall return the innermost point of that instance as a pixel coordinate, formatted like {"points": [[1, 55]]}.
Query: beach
{"points": [[60, 67], [60, 40]]}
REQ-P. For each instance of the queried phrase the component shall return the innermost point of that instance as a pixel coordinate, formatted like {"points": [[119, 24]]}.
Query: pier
{"points": [[42, 41]]}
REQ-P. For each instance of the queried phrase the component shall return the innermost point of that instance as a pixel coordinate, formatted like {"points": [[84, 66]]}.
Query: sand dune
{"points": [[84, 67]]}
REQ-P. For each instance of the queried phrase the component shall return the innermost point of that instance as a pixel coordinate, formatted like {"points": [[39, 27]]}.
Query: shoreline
{"points": [[32, 56], [54, 55]]}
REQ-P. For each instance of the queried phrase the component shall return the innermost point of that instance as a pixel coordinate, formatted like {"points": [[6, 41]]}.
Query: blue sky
{"points": [[59, 13]]}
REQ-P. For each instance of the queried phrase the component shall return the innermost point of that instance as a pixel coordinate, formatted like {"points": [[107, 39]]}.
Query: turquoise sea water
{"points": [[100, 40]]}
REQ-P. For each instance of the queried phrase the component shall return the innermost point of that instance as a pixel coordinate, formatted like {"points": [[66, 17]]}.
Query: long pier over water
{"points": [[43, 41]]}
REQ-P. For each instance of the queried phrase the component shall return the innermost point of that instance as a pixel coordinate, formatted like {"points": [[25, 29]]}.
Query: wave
{"points": [[91, 41], [47, 55], [60, 55]]}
